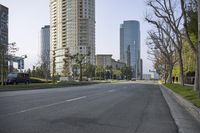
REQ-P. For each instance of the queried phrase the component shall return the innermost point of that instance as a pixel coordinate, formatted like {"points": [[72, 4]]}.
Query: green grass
{"points": [[46, 85], [39, 80], [186, 92]]}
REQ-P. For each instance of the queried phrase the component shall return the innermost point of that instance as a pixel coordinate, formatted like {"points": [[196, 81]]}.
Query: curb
{"points": [[193, 110], [185, 114]]}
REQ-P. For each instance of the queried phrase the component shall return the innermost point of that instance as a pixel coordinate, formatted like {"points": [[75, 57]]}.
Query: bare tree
{"points": [[167, 11], [162, 43], [160, 65]]}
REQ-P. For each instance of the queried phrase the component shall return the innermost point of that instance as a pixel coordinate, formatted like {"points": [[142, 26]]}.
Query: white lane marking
{"points": [[53, 104], [78, 98], [45, 106], [111, 91]]}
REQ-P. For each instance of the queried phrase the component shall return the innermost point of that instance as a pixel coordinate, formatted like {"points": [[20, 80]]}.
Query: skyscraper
{"points": [[3, 41], [130, 45], [3, 25], [72, 30], [45, 45]]}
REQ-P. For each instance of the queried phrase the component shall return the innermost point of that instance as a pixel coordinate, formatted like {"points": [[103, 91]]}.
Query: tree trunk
{"points": [[54, 68], [80, 78], [165, 74], [196, 84], [198, 69], [169, 79], [181, 67], [198, 47]]}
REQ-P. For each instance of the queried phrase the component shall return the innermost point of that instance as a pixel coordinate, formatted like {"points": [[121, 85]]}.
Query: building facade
{"points": [[130, 45], [106, 60], [3, 42], [117, 64], [45, 45], [72, 30]]}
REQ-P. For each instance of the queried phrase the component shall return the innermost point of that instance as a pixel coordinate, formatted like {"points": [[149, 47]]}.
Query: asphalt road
{"points": [[103, 108]]}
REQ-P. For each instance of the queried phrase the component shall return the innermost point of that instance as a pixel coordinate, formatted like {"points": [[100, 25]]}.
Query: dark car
{"points": [[133, 79], [15, 78]]}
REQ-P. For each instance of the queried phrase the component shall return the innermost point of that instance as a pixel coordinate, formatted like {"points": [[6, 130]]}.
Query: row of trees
{"points": [[175, 27], [80, 66], [88, 70]]}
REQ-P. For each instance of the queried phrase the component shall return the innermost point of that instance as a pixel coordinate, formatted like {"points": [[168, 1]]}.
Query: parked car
{"points": [[133, 79], [15, 78]]}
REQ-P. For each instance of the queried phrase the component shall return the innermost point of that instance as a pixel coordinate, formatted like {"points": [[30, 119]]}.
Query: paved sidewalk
{"points": [[185, 122]]}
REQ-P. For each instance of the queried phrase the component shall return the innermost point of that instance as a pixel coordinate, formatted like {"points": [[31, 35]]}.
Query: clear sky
{"points": [[26, 17]]}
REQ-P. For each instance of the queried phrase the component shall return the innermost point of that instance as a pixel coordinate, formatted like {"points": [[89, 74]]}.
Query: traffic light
{"points": [[19, 64], [22, 64]]}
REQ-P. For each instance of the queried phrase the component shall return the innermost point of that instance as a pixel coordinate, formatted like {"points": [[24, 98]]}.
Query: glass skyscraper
{"points": [[130, 45], [45, 45]]}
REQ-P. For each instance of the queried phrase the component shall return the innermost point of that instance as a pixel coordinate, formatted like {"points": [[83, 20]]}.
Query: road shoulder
{"points": [[185, 119]]}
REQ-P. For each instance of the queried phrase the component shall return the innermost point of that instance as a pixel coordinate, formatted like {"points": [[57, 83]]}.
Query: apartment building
{"points": [[72, 30], [3, 42]]}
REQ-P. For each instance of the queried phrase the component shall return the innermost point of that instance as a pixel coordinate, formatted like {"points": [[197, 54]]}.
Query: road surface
{"points": [[104, 108]]}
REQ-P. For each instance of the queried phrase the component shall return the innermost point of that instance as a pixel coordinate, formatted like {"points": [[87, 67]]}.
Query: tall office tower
{"points": [[45, 46], [3, 41], [72, 30], [130, 45]]}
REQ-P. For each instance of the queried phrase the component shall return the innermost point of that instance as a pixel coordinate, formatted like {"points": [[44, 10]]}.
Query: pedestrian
{"points": [[173, 78]]}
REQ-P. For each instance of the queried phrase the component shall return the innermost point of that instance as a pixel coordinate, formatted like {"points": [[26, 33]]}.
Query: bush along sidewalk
{"points": [[186, 92]]}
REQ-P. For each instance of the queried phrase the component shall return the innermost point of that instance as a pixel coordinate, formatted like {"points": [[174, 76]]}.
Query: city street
{"points": [[103, 108], [92, 66]]}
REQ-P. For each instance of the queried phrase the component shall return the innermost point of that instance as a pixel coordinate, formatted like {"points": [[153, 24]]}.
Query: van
{"points": [[15, 78]]}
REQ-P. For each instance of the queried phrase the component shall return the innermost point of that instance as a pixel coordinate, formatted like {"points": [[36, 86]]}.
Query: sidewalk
{"points": [[185, 122], [191, 85]]}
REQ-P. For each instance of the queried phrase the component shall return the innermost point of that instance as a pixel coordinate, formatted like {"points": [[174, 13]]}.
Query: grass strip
{"points": [[186, 92]]}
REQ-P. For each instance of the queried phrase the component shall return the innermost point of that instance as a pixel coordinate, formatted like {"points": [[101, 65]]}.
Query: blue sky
{"points": [[26, 17]]}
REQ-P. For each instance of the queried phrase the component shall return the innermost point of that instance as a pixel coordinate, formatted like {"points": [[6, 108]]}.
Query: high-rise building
{"points": [[72, 30], [45, 45], [3, 41], [130, 45], [3, 25]]}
